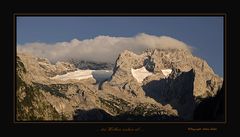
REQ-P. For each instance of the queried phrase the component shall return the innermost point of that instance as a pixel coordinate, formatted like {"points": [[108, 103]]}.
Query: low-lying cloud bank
{"points": [[101, 48]]}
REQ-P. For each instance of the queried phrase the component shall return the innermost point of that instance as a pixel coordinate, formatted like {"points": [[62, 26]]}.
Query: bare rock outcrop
{"points": [[178, 78]]}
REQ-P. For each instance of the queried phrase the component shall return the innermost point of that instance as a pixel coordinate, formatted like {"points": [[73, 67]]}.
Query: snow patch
{"points": [[140, 74], [166, 72], [79, 75]]}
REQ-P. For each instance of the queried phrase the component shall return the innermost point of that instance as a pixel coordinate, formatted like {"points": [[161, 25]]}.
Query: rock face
{"points": [[211, 108], [40, 69], [176, 90], [179, 78]]}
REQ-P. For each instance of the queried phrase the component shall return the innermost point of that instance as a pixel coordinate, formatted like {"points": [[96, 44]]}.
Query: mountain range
{"points": [[157, 85]]}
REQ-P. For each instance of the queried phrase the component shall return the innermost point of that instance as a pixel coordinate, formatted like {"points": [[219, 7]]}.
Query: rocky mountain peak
{"points": [[158, 60], [171, 76]]}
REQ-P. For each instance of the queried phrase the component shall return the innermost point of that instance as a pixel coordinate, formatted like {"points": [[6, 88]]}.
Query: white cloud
{"points": [[101, 48]]}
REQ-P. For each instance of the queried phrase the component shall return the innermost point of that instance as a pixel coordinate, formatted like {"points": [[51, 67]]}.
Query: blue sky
{"points": [[204, 33]]}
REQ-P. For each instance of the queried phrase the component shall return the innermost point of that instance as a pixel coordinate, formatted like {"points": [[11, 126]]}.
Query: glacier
{"points": [[140, 74]]}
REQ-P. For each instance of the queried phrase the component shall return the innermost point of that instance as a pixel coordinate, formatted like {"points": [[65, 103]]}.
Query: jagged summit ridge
{"points": [[158, 60]]}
